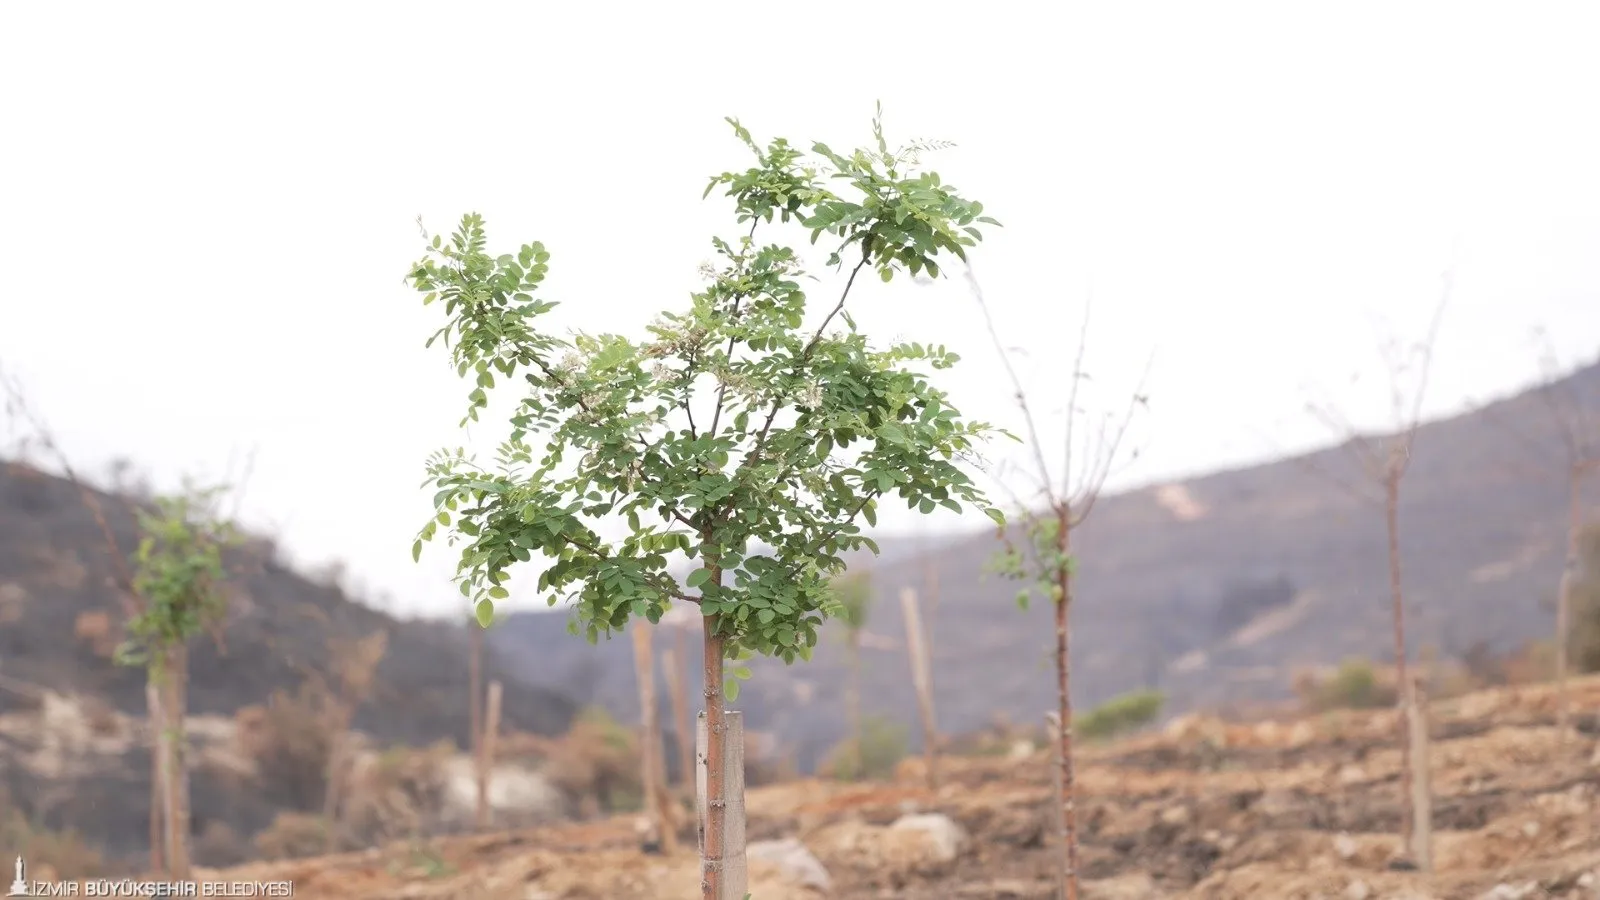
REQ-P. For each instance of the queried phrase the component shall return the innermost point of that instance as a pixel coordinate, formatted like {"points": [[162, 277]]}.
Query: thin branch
{"points": [[1021, 397], [17, 402], [1077, 377], [1426, 349], [1089, 490]]}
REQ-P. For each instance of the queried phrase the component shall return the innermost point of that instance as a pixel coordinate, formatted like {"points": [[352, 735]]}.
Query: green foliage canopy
{"points": [[178, 574], [733, 434]]}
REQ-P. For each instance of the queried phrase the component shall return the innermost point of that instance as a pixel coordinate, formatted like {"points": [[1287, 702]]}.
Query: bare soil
{"points": [[1280, 810]]}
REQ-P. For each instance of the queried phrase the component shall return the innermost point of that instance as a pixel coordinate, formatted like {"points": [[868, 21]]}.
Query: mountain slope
{"points": [[1212, 589], [56, 578]]}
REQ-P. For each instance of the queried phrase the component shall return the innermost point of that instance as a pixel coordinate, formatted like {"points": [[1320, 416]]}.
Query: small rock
{"points": [[1345, 846], [1020, 750], [794, 860], [1510, 892], [1530, 830], [1586, 880], [1351, 774], [1176, 815], [1401, 864], [1358, 890], [1302, 733], [946, 839]]}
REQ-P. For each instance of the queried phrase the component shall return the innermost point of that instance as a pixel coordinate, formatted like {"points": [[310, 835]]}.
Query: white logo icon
{"points": [[19, 885]]}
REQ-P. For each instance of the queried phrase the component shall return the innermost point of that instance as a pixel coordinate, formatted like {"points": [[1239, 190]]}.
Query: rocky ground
{"points": [[1288, 810]]}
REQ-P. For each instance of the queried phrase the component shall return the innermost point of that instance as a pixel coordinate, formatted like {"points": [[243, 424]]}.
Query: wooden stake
{"points": [[158, 779], [475, 715], [486, 751], [1421, 787], [682, 722], [922, 678], [735, 876], [651, 772]]}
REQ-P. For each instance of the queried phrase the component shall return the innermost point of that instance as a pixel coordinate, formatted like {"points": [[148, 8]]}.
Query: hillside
{"points": [[1213, 589], [1305, 809], [59, 622]]}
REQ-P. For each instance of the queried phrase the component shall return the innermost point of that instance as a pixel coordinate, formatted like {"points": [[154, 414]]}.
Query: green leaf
{"points": [[995, 514], [698, 577], [730, 689], [416, 551], [485, 613], [499, 593]]}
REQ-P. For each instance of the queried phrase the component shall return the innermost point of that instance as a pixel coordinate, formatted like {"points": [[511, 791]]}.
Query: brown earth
{"points": [[1277, 810]]}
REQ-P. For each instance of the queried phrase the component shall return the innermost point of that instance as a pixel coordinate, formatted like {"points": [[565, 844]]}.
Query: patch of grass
{"points": [[1120, 715]]}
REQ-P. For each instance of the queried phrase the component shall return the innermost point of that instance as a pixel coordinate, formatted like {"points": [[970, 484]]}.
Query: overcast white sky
{"points": [[206, 212]]}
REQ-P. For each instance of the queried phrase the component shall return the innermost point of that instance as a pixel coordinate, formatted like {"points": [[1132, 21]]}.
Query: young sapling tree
{"points": [[736, 434], [179, 574], [1043, 559]]}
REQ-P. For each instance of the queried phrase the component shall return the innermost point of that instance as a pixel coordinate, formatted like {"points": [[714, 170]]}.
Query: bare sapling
{"points": [[1090, 452], [750, 431], [355, 667], [1384, 460], [1580, 446], [922, 680], [18, 408]]}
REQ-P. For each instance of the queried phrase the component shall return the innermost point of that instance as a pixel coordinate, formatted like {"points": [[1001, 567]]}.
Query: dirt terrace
{"points": [[1270, 811]]}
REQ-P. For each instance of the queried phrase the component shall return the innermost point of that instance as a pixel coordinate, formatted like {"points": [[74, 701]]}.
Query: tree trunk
{"points": [[175, 709], [852, 706], [475, 716], [1052, 724], [158, 775], [672, 667], [1063, 605], [1391, 510], [1569, 575], [718, 873]]}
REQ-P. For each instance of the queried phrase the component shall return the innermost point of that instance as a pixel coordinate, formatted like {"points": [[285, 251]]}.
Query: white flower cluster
{"points": [[810, 396]]}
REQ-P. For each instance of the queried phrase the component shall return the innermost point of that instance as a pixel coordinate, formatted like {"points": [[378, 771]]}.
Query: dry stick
{"points": [[475, 715], [682, 722], [650, 738], [922, 678], [852, 703], [486, 747]]}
